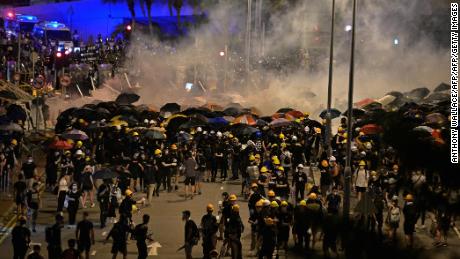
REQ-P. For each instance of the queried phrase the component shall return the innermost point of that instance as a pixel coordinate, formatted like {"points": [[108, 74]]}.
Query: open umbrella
{"points": [[154, 134], [61, 145], [296, 114], [355, 112], [387, 99], [418, 93], [281, 122], [245, 119], [435, 118], [192, 123], [16, 113], [372, 106], [437, 97], [371, 129], [245, 131], [334, 113], [284, 110], [442, 87], [11, 127], [232, 111], [395, 94], [363, 102], [127, 98], [8, 95], [184, 137], [170, 107], [424, 128], [118, 123], [75, 134], [213, 106], [235, 105], [105, 173], [218, 122], [85, 113]]}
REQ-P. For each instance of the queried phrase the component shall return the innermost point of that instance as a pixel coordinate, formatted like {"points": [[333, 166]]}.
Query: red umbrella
{"points": [[278, 115], [364, 102], [60, 144], [295, 114], [280, 123], [246, 119], [371, 129]]}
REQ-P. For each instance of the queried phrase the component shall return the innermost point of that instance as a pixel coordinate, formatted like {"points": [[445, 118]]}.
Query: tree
{"points": [[130, 4], [177, 4]]}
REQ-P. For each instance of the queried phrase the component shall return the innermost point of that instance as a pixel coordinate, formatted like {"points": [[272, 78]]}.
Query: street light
{"points": [[222, 53], [348, 28], [396, 41]]}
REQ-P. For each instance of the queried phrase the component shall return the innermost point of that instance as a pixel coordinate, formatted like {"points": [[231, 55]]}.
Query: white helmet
{"points": [[219, 134], [294, 138], [332, 159], [354, 148], [152, 122], [79, 152], [363, 153], [299, 166], [306, 129], [368, 145], [146, 121], [205, 132], [199, 129], [212, 132]]}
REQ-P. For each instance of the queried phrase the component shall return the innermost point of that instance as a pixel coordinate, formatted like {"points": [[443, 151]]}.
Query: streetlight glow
{"points": [[222, 53], [348, 28]]}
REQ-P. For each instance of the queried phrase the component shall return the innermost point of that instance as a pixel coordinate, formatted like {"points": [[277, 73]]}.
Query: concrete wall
{"points": [[91, 17]]}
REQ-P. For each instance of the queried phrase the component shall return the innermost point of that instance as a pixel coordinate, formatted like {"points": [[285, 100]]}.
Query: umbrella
{"points": [[60, 144], [8, 95], [437, 97], [442, 87], [278, 116], [235, 105], [127, 98], [245, 119], [75, 135], [435, 118], [201, 110], [371, 129], [313, 124], [281, 122], [255, 111], [284, 110], [387, 99], [261, 123], [16, 113], [363, 102], [296, 114], [105, 173], [184, 137], [395, 94], [170, 107], [11, 127], [212, 107], [116, 123], [373, 106], [103, 113], [111, 106], [232, 111], [85, 113], [418, 93], [245, 131], [355, 112], [424, 128], [199, 117], [155, 135], [192, 123], [334, 113], [218, 122]]}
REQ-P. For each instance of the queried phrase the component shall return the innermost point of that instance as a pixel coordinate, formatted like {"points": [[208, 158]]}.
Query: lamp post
{"points": [[346, 200], [329, 85]]}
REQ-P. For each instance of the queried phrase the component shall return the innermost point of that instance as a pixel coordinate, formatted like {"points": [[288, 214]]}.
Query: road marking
{"points": [[93, 253], [104, 233], [154, 248]]}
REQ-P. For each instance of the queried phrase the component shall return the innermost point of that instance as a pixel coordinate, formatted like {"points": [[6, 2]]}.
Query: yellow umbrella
{"points": [[174, 116], [118, 123]]}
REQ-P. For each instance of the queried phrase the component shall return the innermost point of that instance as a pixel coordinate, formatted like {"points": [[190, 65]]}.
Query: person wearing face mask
{"points": [[333, 201], [29, 169], [72, 200], [361, 179]]}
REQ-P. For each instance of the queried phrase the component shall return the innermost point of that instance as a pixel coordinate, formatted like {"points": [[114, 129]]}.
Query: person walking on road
{"points": [[87, 186], [63, 188], [33, 202], [209, 228], [119, 234], [20, 190], [29, 169], [103, 196], [141, 234], [233, 230], [190, 175], [192, 234], [20, 237], [71, 252], [410, 219], [53, 238], [85, 235], [73, 201]]}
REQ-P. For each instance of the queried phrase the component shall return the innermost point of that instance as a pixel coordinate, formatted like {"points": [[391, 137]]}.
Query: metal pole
{"points": [[329, 85], [18, 65], [225, 67], [346, 200]]}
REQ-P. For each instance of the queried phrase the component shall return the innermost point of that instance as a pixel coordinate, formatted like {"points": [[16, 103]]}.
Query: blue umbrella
{"points": [[218, 122]]}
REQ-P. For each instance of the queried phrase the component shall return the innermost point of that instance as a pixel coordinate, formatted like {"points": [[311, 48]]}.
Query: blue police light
{"points": [[27, 18], [54, 25]]}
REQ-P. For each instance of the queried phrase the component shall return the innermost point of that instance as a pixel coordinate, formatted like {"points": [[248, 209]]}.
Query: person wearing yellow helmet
{"points": [[157, 152], [281, 136], [361, 179], [284, 222], [126, 206], [268, 238], [234, 228], [274, 204], [79, 144], [14, 142], [410, 219], [209, 227]]}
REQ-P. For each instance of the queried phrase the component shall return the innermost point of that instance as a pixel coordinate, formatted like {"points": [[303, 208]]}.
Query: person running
{"points": [[20, 236], [141, 235], [36, 253], [209, 228], [85, 235], [20, 191], [192, 234], [71, 252], [126, 207], [53, 238], [33, 202]]}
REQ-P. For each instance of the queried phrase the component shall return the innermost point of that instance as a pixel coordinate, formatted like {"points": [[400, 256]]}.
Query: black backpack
{"points": [[49, 235], [195, 233]]}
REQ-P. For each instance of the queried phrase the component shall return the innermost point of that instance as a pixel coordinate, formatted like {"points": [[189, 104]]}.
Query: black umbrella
{"points": [[170, 107], [11, 127], [395, 94], [90, 106], [127, 98], [245, 131], [127, 110], [442, 87], [334, 113], [15, 112], [200, 110], [372, 106], [355, 112], [103, 113], [418, 93], [192, 123], [85, 113], [154, 134], [8, 95], [437, 97], [232, 111], [313, 124], [284, 110], [111, 106], [235, 105], [105, 173]]}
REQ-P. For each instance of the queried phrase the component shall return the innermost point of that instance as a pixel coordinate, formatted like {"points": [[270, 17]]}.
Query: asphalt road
{"points": [[168, 229]]}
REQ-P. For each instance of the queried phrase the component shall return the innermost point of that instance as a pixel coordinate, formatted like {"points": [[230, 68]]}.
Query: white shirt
{"points": [[63, 185], [362, 178]]}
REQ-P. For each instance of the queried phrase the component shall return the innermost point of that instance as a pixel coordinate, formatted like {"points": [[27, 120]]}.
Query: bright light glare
{"points": [[395, 41], [188, 87], [222, 53], [348, 28]]}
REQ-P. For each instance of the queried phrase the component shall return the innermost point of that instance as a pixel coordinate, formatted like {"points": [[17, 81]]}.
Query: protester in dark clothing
{"points": [[20, 188], [29, 170], [233, 230], [103, 196], [53, 238], [71, 252], [333, 201], [36, 253], [119, 234], [191, 234], [20, 236], [268, 235], [141, 235], [73, 202], [299, 179], [33, 202], [410, 219], [85, 235], [209, 228]]}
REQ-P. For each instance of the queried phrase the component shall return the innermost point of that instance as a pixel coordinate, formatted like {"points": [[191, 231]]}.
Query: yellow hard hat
{"points": [[409, 197], [128, 192], [271, 193], [284, 203], [283, 145], [281, 168], [174, 147], [362, 163], [14, 142], [252, 158], [232, 197], [281, 136], [324, 163], [209, 207], [276, 162], [269, 221], [373, 173], [254, 185], [318, 130], [157, 152], [257, 155], [274, 158], [260, 203], [275, 145], [87, 159], [345, 135], [230, 136], [306, 114], [79, 143], [70, 141], [263, 169], [81, 121], [303, 203], [297, 120], [135, 133], [236, 207], [67, 152], [312, 196], [274, 204], [340, 130]]}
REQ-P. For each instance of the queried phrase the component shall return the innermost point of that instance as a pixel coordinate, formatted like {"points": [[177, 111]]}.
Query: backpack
{"points": [[395, 215], [195, 234], [49, 234]]}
